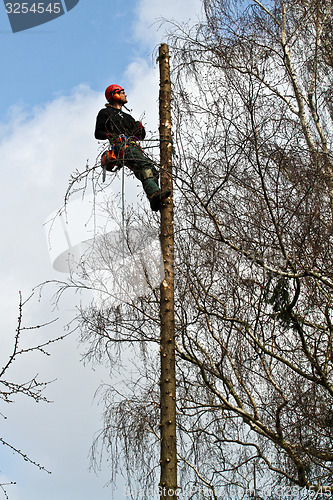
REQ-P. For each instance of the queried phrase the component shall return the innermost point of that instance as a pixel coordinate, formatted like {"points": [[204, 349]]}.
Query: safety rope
{"points": [[116, 167], [151, 146], [123, 212], [157, 140]]}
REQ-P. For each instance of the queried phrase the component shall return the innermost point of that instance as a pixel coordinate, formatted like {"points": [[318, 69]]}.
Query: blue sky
{"points": [[52, 86], [88, 44]]}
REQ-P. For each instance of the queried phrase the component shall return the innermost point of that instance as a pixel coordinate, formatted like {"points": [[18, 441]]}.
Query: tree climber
{"points": [[124, 132]]}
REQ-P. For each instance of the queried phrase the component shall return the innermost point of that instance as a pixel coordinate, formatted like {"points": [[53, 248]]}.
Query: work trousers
{"points": [[142, 167]]}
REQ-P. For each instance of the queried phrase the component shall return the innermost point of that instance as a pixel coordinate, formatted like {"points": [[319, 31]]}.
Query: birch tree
{"points": [[254, 136], [13, 387]]}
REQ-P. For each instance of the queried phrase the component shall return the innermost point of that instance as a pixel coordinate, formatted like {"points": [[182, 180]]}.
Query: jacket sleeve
{"points": [[101, 129]]}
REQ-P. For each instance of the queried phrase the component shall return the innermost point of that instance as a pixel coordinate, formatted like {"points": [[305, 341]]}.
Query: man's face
{"points": [[123, 97]]}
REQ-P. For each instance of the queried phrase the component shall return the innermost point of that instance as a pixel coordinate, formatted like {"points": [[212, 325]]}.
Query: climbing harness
{"points": [[128, 141], [110, 162]]}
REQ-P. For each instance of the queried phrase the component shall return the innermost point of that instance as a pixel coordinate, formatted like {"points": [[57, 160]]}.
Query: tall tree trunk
{"points": [[168, 480]]}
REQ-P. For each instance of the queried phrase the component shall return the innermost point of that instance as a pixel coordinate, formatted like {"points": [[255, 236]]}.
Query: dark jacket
{"points": [[115, 122]]}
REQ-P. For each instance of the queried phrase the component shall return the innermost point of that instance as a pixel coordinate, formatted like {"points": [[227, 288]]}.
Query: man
{"points": [[124, 133]]}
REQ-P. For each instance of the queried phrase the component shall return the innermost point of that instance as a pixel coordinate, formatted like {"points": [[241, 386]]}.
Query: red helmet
{"points": [[112, 90]]}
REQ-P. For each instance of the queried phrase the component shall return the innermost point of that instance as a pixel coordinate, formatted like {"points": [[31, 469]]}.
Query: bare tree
{"points": [[32, 388], [253, 105]]}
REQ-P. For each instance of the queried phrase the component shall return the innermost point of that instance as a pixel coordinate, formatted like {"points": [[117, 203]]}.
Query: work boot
{"points": [[157, 198]]}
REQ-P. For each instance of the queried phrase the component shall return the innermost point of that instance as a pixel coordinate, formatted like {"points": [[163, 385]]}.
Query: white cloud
{"points": [[143, 89], [150, 28], [40, 147]]}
